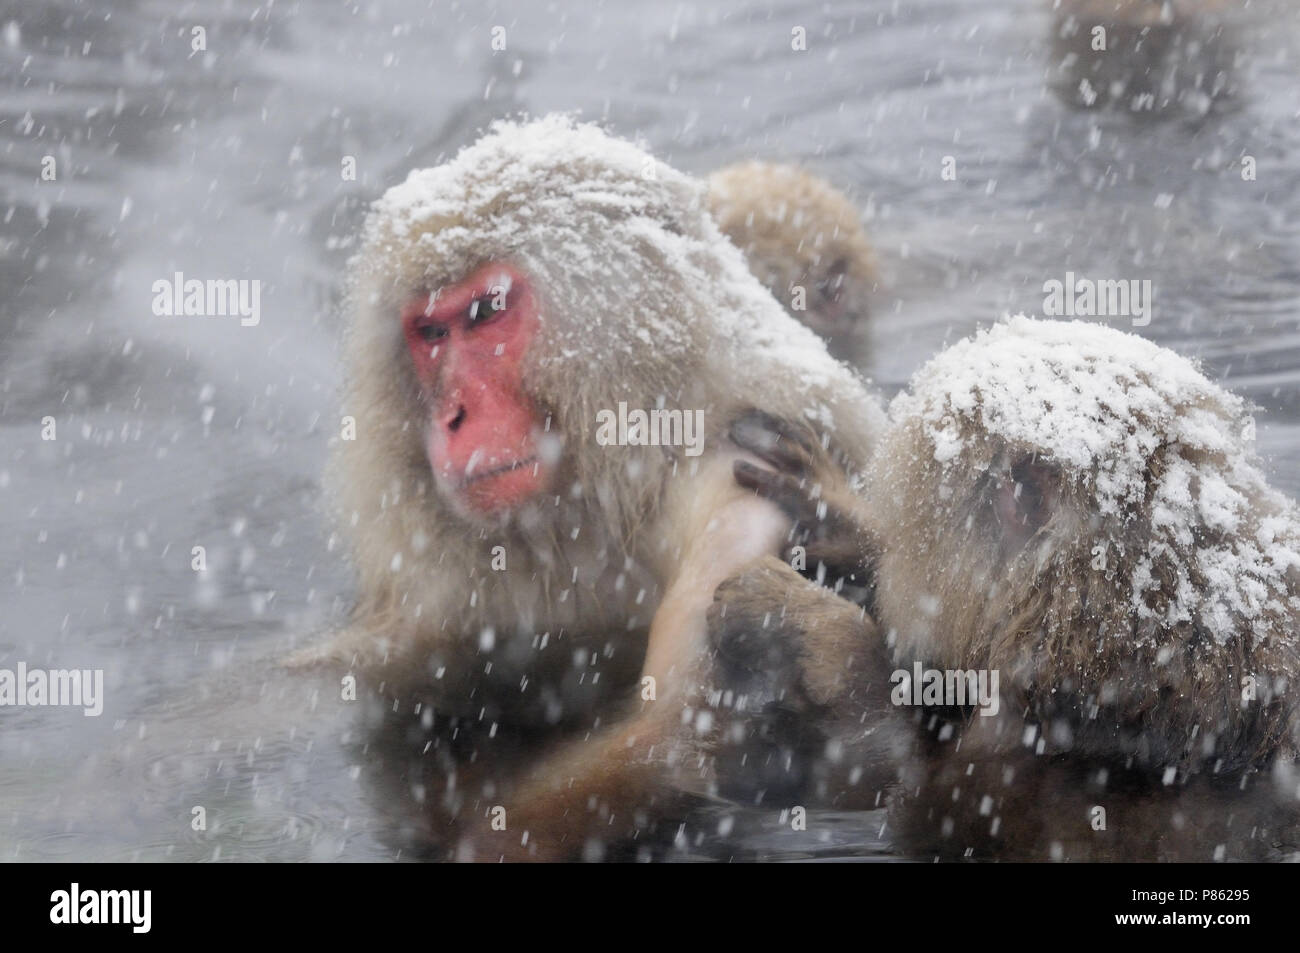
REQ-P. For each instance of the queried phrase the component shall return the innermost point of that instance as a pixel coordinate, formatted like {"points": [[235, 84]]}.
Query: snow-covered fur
{"points": [[799, 232], [1153, 591], [644, 302]]}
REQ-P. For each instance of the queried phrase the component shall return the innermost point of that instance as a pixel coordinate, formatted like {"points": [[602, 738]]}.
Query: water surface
{"points": [[174, 433]]}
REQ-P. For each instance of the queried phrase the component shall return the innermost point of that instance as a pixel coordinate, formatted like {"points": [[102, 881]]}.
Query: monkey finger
{"points": [[791, 495], [837, 559], [816, 520], [789, 447]]}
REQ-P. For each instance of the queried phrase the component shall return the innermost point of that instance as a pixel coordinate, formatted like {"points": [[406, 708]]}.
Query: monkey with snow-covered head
{"points": [[518, 575], [1078, 511]]}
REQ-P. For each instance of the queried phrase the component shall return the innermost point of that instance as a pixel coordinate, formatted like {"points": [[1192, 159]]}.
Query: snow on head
{"points": [[1095, 400], [1159, 453], [624, 255]]}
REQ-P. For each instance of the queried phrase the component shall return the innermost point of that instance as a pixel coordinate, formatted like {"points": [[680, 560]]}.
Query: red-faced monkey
{"points": [[1074, 511], [804, 240], [549, 342]]}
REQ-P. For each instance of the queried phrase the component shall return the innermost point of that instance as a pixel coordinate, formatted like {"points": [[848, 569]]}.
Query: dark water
{"points": [[174, 433]]}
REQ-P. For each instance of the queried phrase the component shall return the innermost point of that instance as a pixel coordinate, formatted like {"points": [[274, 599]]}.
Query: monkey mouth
{"points": [[496, 471]]}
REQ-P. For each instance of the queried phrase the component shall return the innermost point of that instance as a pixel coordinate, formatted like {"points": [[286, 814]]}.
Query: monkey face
{"points": [[484, 436], [1022, 493], [836, 295]]}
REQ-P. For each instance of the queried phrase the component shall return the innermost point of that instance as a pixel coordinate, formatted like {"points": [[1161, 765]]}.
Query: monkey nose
{"points": [[455, 419]]}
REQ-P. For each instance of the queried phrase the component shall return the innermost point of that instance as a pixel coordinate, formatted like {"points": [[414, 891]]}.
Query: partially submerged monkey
{"points": [[1149, 57], [533, 599], [804, 241], [1077, 510]]}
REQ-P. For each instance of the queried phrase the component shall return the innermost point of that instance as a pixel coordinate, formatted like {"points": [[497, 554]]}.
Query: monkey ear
{"points": [[1027, 497]]}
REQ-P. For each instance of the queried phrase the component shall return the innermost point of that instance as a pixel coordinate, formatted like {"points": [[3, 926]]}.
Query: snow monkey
{"points": [[803, 239], [1078, 512], [550, 342], [1150, 57]]}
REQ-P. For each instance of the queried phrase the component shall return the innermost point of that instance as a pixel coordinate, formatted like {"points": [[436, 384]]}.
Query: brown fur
{"points": [[1045, 615], [798, 230], [1134, 705], [1162, 57], [643, 302]]}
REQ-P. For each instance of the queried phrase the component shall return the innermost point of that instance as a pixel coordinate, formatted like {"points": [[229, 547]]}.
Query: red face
{"points": [[468, 341]]}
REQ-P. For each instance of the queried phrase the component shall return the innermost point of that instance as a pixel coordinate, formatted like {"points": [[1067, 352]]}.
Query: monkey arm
{"points": [[808, 679], [737, 533], [592, 790], [587, 792]]}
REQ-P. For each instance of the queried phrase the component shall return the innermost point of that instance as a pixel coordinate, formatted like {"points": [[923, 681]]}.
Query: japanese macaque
{"points": [[1158, 57], [803, 239], [1075, 512], [550, 342]]}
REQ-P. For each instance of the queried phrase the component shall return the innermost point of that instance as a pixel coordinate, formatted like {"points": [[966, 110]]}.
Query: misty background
{"points": [[174, 432]]}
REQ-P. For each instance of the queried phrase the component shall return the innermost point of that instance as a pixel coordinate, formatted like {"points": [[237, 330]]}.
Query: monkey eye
{"points": [[829, 288], [431, 332], [1027, 495], [485, 308], [833, 282]]}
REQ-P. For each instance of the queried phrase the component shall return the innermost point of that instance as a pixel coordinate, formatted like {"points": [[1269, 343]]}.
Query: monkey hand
{"points": [[796, 673], [830, 541], [780, 640]]}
